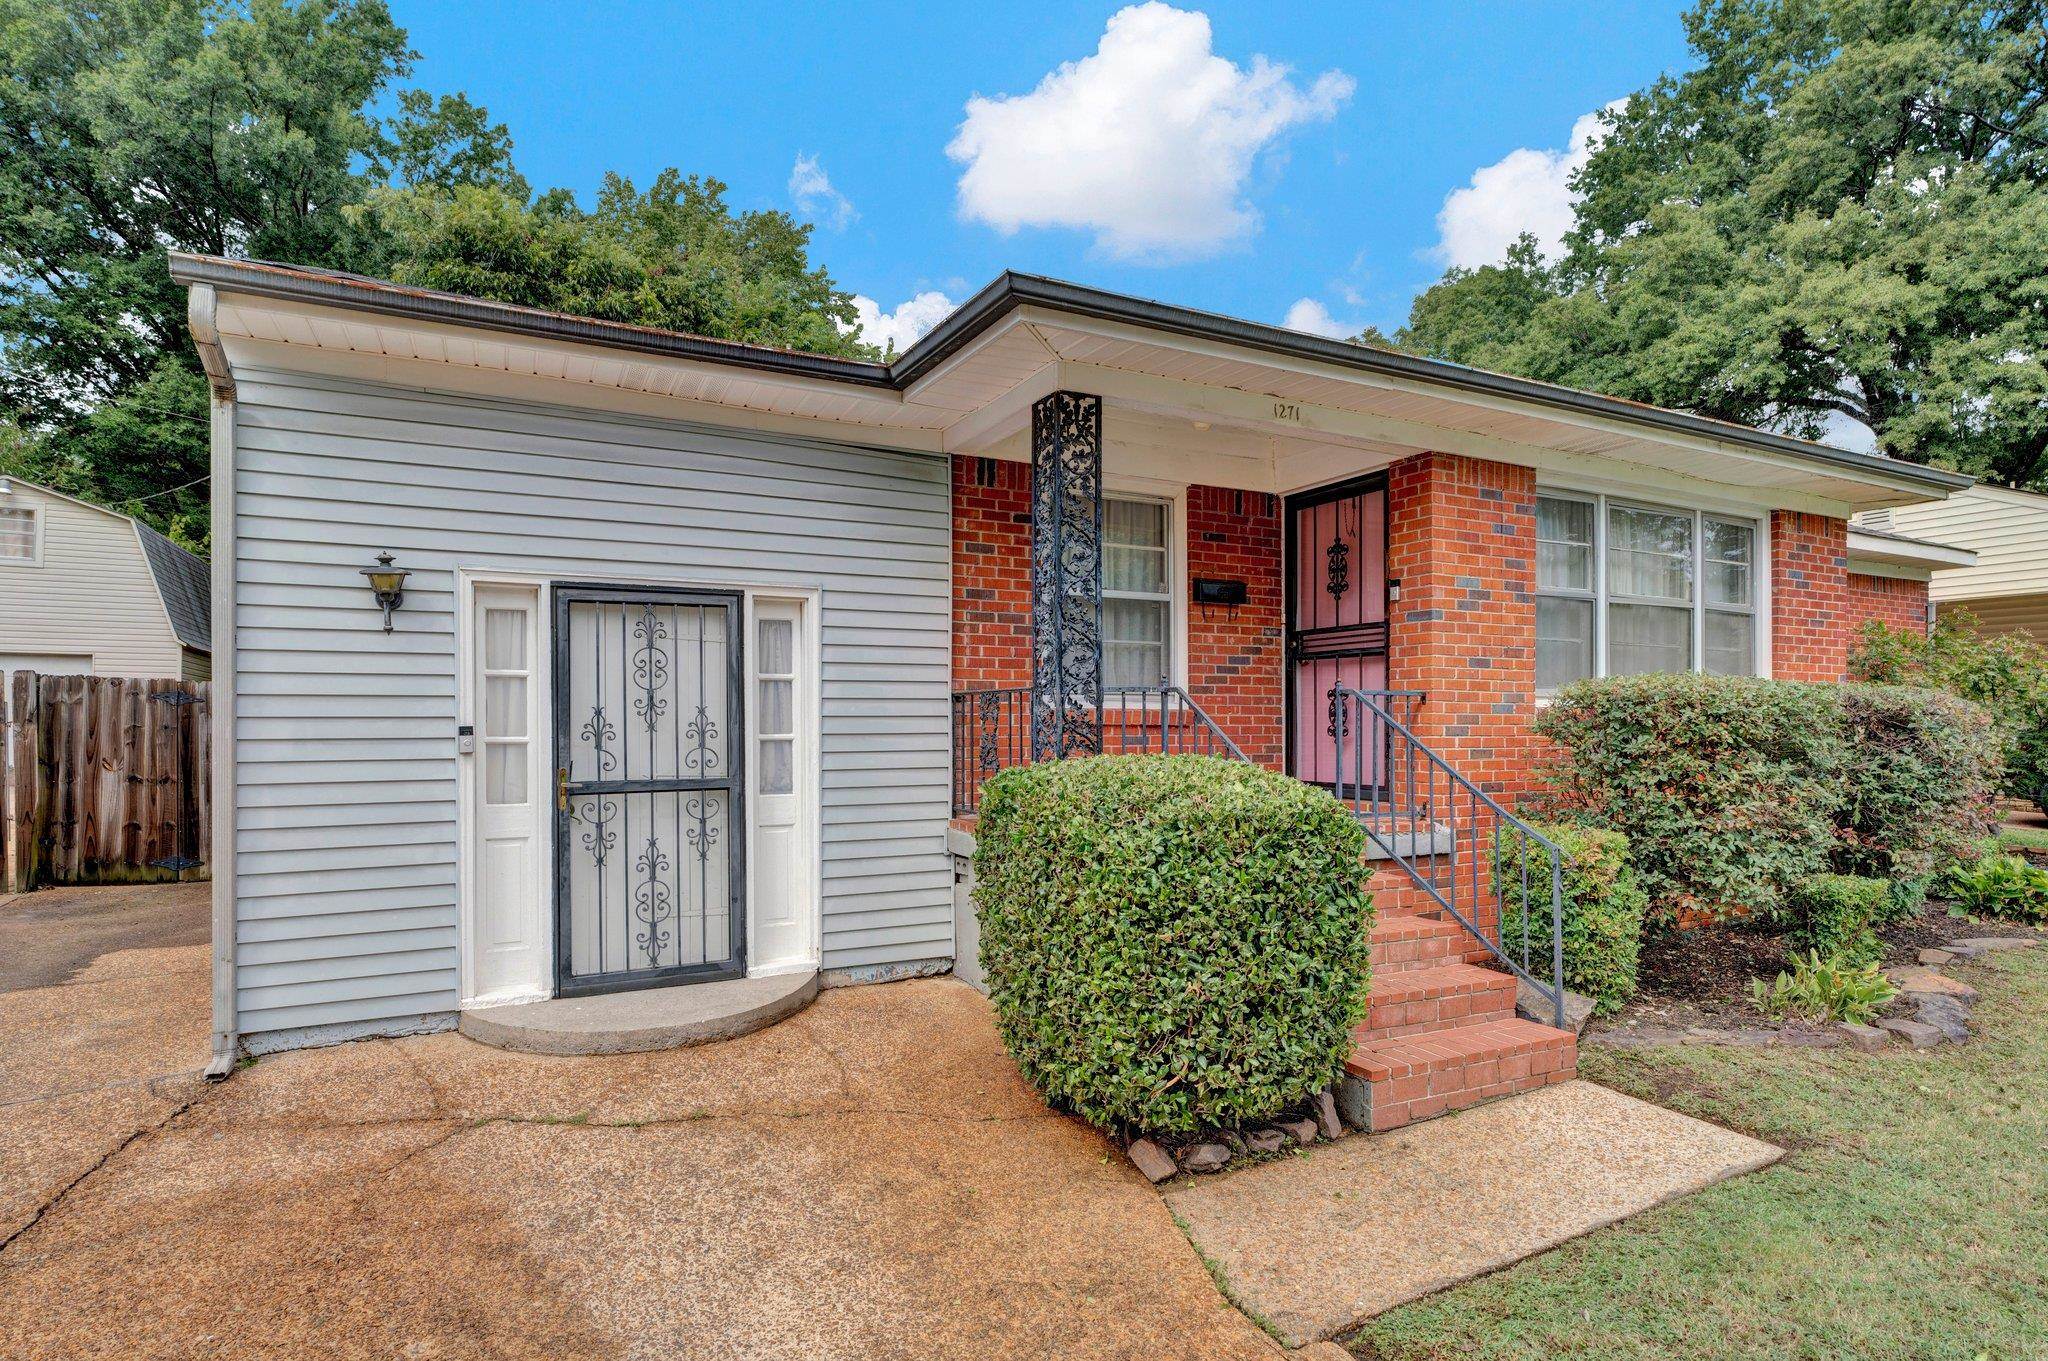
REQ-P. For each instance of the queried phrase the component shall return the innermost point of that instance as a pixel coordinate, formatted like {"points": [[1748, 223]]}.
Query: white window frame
{"points": [[36, 522], [1758, 609], [1174, 498]]}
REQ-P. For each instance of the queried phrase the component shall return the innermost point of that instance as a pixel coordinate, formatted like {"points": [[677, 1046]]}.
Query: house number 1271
{"points": [[1286, 411]]}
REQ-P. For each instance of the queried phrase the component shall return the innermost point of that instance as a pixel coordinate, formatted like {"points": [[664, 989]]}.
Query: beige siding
{"points": [[198, 665], [91, 594], [2007, 530], [2012, 614]]}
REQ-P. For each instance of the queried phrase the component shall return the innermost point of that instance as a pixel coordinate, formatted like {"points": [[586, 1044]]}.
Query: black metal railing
{"points": [[992, 731], [1474, 858]]}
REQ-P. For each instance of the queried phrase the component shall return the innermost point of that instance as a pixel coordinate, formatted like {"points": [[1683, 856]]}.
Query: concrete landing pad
{"points": [[645, 1019], [1317, 1243]]}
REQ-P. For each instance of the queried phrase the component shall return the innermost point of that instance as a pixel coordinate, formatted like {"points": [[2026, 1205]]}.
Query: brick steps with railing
{"points": [[1441, 1034]]}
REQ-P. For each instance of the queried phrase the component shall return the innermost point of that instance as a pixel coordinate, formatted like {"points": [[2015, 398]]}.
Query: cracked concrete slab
{"points": [[1318, 1243], [870, 1178]]}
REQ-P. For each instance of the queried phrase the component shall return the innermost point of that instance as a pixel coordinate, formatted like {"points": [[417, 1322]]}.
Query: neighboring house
{"points": [[2004, 534], [704, 645], [88, 591]]}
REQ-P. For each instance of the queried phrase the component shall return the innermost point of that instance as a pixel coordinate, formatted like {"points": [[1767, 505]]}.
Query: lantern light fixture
{"points": [[387, 583]]}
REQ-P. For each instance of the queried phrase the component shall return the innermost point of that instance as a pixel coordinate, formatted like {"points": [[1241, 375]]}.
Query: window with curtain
{"points": [[1624, 589], [1137, 598]]}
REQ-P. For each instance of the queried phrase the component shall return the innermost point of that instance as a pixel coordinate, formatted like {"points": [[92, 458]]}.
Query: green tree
{"points": [[673, 256], [1840, 210], [130, 128]]}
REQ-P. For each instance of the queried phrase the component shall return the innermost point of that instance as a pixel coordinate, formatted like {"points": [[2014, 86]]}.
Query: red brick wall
{"points": [[1810, 618], [1892, 601], [1235, 654], [991, 573], [1462, 543]]}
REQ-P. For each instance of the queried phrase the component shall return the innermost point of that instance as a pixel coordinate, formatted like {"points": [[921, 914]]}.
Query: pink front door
{"points": [[1337, 618]]}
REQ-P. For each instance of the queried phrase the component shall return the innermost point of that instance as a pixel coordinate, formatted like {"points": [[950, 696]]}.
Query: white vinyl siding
{"points": [[2006, 529], [345, 736], [88, 594], [1624, 588]]}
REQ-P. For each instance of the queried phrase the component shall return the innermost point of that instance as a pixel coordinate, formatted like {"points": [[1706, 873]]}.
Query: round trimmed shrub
{"points": [[1604, 904], [1922, 768], [1172, 943]]}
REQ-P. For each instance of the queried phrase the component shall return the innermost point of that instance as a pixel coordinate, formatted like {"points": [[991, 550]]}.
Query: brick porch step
{"points": [[1436, 997], [1401, 1079], [1409, 942]]}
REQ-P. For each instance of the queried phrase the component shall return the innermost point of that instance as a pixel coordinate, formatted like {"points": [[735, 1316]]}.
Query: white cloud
{"points": [[903, 327], [1148, 143], [1311, 316], [1525, 191], [813, 192]]}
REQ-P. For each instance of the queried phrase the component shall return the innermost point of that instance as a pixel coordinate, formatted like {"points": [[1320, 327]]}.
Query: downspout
{"points": [[199, 314]]}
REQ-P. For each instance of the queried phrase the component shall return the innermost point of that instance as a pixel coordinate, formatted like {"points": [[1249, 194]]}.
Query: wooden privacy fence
{"points": [[104, 779]]}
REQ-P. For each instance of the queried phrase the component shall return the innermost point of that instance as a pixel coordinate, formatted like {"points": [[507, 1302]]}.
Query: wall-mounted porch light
{"points": [[388, 584]]}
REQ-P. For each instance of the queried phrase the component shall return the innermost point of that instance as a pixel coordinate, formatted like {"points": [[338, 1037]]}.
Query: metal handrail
{"points": [[992, 731], [1409, 786]]}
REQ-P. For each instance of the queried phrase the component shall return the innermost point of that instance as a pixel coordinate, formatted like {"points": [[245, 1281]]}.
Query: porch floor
{"points": [[642, 1020]]}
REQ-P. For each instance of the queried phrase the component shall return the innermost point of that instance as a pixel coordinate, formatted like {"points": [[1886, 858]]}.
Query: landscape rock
{"points": [[1915, 978], [1868, 1038], [1204, 1157], [1267, 1140], [1949, 1015], [1915, 1033], [1303, 1132], [1938, 956], [1155, 1162], [1327, 1122], [1533, 1004], [1977, 945]]}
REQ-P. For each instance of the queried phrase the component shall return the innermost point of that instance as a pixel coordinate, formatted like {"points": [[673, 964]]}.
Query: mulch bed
{"points": [[1699, 980]]}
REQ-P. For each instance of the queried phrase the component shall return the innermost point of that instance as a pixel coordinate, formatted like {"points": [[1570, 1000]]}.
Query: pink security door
{"points": [[1337, 617]]}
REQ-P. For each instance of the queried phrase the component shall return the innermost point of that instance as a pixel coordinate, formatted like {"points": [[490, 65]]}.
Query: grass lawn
{"points": [[1910, 1218]]}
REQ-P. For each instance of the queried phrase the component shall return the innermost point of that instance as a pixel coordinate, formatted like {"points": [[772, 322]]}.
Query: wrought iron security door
{"points": [[650, 804], [1337, 618]]}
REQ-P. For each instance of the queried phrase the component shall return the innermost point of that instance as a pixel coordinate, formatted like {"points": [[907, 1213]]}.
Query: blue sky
{"points": [[1148, 150]]}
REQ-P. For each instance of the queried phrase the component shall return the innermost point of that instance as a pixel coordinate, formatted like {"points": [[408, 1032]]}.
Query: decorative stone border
{"points": [[1222, 1148]]}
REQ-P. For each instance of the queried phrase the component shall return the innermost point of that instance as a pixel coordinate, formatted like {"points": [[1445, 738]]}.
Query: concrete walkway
{"points": [[1318, 1243], [868, 1179]]}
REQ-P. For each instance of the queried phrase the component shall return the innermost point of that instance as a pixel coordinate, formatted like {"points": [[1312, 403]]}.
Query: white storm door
{"points": [[508, 946], [782, 878]]}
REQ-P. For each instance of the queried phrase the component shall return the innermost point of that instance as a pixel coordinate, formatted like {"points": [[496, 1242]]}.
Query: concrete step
{"points": [[1440, 997], [1399, 1080], [1415, 942]]}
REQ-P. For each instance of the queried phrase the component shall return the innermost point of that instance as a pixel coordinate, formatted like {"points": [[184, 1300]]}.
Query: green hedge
{"points": [[1732, 789], [1836, 916], [1604, 904], [1726, 787], [1921, 769], [2006, 673], [1172, 943]]}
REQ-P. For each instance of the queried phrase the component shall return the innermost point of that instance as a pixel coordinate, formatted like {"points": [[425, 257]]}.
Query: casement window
{"points": [[17, 534], [1137, 594], [1623, 588]]}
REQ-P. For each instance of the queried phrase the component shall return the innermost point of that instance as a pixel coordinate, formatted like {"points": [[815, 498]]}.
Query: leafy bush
{"points": [[1918, 779], [1171, 942], [1823, 989], [2007, 674], [1726, 787], [2000, 886], [1836, 915], [1604, 904]]}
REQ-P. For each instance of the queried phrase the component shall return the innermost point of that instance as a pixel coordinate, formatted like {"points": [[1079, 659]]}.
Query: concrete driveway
{"points": [[868, 1179]]}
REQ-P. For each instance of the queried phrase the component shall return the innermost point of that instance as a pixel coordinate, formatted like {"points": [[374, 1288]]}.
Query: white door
{"points": [[508, 945], [782, 862]]}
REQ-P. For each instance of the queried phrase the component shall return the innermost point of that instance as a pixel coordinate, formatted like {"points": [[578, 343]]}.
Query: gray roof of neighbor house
{"points": [[985, 309], [182, 580]]}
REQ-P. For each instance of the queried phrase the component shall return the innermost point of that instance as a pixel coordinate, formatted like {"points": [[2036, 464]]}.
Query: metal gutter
{"points": [[1005, 294]]}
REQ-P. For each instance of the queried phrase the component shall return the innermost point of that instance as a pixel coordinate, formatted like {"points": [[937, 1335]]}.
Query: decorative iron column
{"points": [[1066, 576]]}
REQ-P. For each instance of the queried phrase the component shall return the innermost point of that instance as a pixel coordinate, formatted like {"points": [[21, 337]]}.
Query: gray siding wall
{"points": [[345, 737]]}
